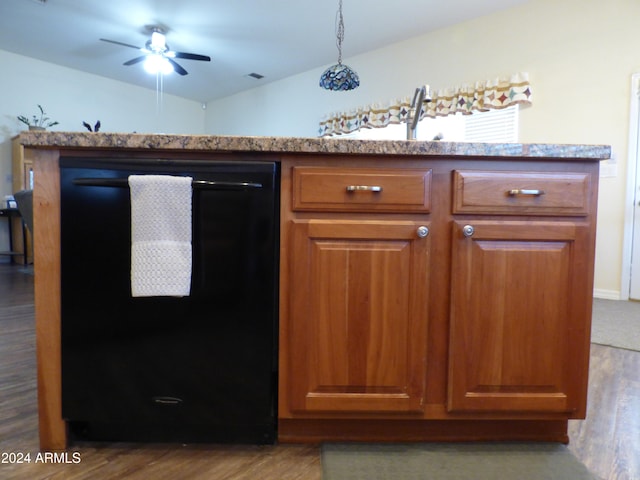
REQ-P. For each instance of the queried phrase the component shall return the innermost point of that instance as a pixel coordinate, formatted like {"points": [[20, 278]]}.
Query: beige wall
{"points": [[579, 55]]}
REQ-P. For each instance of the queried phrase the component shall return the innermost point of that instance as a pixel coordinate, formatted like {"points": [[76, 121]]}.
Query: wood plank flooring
{"points": [[608, 442]]}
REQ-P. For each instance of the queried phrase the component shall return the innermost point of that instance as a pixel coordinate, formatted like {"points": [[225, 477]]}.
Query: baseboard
{"points": [[607, 294], [418, 430]]}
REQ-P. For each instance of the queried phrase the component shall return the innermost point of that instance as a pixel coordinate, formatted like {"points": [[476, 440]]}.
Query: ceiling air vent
{"points": [[257, 76]]}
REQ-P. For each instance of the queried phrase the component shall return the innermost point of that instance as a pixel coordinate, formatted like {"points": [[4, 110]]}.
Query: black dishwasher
{"points": [[199, 368]]}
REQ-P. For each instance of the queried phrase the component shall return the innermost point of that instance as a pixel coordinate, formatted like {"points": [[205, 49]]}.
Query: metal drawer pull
{"points": [[523, 191], [364, 188]]}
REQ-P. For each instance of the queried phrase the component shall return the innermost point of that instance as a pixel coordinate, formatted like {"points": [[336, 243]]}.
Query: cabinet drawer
{"points": [[521, 193], [361, 189]]}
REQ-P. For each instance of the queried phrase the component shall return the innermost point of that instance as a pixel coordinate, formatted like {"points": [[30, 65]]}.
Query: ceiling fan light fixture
{"points": [[158, 42], [155, 64], [157, 57]]}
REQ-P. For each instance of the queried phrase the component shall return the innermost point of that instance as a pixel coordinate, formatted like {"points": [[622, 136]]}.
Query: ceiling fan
{"points": [[158, 57]]}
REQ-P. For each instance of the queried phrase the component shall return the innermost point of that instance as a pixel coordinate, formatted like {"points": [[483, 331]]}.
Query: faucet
{"points": [[421, 95]]}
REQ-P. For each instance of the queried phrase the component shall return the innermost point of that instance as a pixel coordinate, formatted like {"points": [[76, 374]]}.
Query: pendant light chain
{"points": [[339, 32]]}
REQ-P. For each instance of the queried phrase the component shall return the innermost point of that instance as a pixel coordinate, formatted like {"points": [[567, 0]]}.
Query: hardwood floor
{"points": [[608, 442]]}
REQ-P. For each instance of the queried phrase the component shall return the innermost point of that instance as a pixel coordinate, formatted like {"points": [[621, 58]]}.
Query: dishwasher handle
{"points": [[197, 184]]}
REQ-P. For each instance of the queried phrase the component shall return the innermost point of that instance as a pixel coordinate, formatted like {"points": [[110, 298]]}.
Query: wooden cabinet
{"points": [[22, 167], [519, 292], [358, 292], [517, 316], [22, 179], [480, 330], [386, 334]]}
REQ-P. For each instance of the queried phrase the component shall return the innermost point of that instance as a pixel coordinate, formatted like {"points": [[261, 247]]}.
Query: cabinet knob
{"points": [[468, 231], [423, 231]]}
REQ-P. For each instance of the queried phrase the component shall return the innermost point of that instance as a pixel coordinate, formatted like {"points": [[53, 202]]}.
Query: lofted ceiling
{"points": [[273, 38]]}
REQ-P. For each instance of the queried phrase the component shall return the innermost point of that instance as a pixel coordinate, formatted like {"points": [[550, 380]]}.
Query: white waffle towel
{"points": [[161, 257]]}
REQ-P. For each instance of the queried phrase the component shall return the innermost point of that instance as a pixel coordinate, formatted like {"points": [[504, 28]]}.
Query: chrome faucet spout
{"points": [[420, 96]]}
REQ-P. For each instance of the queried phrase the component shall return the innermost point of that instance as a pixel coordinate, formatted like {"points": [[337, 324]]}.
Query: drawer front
{"points": [[515, 193], [361, 189]]}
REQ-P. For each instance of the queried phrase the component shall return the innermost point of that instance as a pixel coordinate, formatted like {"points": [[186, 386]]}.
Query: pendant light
{"points": [[339, 77]]}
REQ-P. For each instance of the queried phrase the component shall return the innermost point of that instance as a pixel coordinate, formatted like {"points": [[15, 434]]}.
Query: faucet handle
{"points": [[427, 94]]}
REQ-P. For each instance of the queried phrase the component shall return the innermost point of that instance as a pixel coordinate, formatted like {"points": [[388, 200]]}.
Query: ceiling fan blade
{"points": [[135, 60], [120, 43], [192, 56], [178, 69]]}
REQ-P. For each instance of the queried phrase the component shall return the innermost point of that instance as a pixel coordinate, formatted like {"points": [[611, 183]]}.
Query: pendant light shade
{"points": [[339, 77]]}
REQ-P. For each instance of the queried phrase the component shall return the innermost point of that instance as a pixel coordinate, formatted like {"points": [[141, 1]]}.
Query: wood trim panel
{"points": [[46, 218]]}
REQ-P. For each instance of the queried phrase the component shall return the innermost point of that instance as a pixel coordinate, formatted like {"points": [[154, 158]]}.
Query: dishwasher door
{"points": [[200, 368]]}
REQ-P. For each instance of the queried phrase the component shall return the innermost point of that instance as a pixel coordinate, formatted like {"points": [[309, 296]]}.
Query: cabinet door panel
{"points": [[359, 313], [516, 317]]}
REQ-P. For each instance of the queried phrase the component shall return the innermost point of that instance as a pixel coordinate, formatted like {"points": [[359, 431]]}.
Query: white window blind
{"points": [[496, 126]]}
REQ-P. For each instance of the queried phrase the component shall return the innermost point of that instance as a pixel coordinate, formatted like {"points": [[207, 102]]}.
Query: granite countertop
{"points": [[135, 141]]}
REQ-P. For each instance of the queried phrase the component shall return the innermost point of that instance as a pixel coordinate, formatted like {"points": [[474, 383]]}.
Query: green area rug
{"points": [[616, 323], [451, 461]]}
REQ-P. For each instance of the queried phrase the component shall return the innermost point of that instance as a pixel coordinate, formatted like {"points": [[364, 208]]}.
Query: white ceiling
{"points": [[275, 38]]}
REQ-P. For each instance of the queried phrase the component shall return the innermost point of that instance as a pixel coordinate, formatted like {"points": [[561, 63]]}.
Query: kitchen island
{"points": [[429, 291]]}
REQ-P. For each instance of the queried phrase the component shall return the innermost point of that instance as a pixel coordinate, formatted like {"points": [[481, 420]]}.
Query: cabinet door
{"points": [[520, 316], [358, 316]]}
